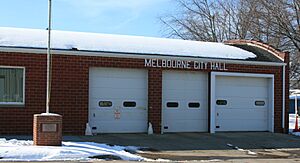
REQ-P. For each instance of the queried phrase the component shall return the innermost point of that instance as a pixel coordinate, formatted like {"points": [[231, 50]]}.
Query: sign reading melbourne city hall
{"points": [[185, 64]]}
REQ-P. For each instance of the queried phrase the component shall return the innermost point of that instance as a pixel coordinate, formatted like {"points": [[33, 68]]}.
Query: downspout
{"points": [[283, 96]]}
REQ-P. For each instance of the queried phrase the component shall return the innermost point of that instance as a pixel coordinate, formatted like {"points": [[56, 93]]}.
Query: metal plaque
{"points": [[49, 127]]}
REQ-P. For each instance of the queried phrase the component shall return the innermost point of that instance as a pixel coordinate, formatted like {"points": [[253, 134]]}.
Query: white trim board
{"points": [[213, 96]]}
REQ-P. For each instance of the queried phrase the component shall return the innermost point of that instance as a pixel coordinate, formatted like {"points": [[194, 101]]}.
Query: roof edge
{"points": [[277, 53], [130, 55]]}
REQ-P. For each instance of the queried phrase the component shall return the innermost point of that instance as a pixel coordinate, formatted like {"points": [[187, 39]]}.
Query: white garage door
{"points": [[118, 100], [185, 102], [242, 103]]}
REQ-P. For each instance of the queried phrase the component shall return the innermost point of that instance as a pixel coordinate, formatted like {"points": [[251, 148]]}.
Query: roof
{"points": [[79, 41], [263, 51]]}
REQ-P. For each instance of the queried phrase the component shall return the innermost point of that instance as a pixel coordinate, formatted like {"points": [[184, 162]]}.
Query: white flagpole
{"points": [[49, 59]]}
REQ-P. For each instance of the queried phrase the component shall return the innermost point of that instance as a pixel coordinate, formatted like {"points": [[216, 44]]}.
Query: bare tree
{"points": [[282, 30], [205, 20], [276, 22], [199, 20]]}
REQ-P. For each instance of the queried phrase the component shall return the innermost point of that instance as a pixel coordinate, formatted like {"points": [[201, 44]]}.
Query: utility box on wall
{"points": [[47, 129]]}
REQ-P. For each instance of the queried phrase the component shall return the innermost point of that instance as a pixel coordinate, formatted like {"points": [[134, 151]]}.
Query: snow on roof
{"points": [[37, 38]]}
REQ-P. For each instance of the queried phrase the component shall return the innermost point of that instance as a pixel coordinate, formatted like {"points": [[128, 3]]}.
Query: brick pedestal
{"points": [[47, 129]]}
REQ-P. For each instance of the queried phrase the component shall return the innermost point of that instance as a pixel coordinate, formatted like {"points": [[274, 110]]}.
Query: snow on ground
{"points": [[21, 150], [292, 120], [240, 149], [36, 38]]}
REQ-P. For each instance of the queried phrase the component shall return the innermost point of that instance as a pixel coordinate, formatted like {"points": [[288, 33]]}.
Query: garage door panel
{"points": [[188, 87], [118, 101], [241, 113], [239, 125], [119, 127], [242, 81], [245, 103], [191, 114], [94, 105], [173, 84], [115, 83], [182, 126], [118, 86], [176, 91], [184, 75], [239, 91], [186, 95], [108, 115], [122, 93], [185, 87], [118, 73], [183, 104]]}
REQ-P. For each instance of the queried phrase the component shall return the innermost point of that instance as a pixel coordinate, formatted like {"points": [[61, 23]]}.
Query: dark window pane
{"points": [[221, 102], [129, 104], [105, 103], [194, 105], [260, 103], [172, 104], [11, 85]]}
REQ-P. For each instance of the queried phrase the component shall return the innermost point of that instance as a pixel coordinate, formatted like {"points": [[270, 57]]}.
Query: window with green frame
{"points": [[11, 85]]}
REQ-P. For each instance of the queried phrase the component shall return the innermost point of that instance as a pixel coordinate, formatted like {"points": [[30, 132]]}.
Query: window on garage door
{"points": [[260, 103], [221, 102], [105, 104], [129, 104], [172, 105], [194, 105]]}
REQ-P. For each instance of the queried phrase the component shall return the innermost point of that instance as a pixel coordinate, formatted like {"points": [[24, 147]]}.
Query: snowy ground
{"points": [[20, 150], [292, 121]]}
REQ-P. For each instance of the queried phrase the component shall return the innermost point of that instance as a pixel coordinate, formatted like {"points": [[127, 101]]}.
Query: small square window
{"points": [[128, 104], [172, 104], [259, 103], [105, 103], [194, 105], [221, 102]]}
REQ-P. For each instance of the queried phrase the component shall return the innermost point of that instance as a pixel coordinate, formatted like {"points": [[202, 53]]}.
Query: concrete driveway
{"points": [[237, 146], [224, 147]]}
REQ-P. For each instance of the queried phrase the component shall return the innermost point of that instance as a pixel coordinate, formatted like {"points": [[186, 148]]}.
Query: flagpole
{"points": [[49, 59]]}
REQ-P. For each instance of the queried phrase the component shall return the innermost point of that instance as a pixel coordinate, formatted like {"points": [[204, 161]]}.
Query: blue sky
{"points": [[129, 17]]}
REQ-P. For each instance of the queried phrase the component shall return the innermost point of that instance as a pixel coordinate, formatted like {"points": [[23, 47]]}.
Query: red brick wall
{"points": [[155, 98], [47, 138], [287, 88], [19, 120], [70, 89]]}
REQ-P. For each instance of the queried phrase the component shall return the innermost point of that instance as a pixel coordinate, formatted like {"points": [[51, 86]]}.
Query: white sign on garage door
{"points": [[185, 98], [242, 103], [118, 100]]}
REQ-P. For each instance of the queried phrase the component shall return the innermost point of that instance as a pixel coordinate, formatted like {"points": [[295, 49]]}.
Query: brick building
{"points": [[120, 84]]}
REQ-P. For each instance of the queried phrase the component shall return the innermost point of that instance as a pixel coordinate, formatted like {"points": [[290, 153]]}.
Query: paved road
{"points": [[228, 147], [198, 141], [220, 147]]}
